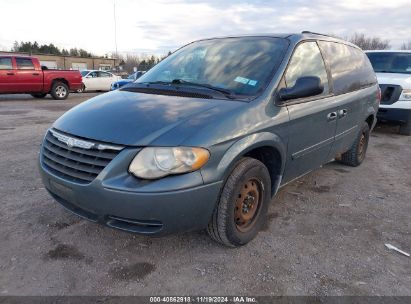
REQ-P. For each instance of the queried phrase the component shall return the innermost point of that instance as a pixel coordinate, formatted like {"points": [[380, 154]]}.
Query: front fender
{"points": [[220, 169]]}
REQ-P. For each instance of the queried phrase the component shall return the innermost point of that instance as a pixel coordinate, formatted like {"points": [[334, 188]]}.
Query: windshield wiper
{"points": [[229, 94], [226, 92]]}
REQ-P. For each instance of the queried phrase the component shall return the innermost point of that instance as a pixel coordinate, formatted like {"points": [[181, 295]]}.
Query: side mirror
{"points": [[306, 86]]}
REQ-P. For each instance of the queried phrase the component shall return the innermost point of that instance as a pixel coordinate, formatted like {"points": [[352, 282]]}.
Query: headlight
{"points": [[152, 163], [406, 94]]}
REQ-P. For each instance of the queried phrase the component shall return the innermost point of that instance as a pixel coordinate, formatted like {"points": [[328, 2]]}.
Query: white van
{"points": [[393, 69]]}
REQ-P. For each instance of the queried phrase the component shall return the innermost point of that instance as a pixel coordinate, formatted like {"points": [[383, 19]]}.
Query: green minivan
{"points": [[205, 138]]}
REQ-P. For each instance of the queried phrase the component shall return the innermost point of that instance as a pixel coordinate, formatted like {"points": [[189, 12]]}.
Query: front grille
{"points": [[390, 93], [76, 164]]}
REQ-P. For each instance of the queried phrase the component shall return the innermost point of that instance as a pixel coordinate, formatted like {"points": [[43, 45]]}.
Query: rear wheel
{"points": [[38, 95], [356, 155], [242, 207], [59, 90]]}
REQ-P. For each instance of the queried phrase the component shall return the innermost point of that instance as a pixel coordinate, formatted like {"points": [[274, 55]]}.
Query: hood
{"points": [[137, 119], [404, 80], [124, 81]]}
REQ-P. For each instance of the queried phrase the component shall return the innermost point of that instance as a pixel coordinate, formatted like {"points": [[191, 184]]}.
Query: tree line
{"points": [[141, 62], [36, 48]]}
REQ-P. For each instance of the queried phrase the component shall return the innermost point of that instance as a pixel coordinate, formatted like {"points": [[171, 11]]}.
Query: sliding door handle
{"points": [[342, 113], [10, 74], [332, 116]]}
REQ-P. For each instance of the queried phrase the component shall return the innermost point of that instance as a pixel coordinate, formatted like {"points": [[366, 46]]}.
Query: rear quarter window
{"points": [[24, 64], [350, 68]]}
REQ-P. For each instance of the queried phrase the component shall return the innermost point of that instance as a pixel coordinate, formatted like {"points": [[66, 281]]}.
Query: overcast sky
{"points": [[156, 26]]}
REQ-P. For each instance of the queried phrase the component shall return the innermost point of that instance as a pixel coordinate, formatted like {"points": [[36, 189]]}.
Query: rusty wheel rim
{"points": [[247, 205], [362, 146]]}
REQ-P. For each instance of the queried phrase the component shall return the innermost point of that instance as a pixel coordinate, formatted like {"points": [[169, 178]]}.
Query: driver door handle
{"points": [[332, 116]]}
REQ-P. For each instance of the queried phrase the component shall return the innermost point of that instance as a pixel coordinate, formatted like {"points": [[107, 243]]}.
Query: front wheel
{"points": [[356, 155], [59, 91], [242, 207]]}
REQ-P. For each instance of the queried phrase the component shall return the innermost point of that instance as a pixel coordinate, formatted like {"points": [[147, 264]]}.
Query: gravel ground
{"points": [[325, 234]]}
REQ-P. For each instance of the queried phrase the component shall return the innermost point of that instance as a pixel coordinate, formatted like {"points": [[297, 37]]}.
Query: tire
{"points": [[405, 129], [356, 155], [39, 95], [82, 89], [242, 208], [59, 90]]}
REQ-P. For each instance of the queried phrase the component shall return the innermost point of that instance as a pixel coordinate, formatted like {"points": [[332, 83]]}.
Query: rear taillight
{"points": [[379, 95]]}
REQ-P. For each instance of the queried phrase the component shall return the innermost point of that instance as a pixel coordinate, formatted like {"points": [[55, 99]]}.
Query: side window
{"points": [[93, 74], [104, 74], [350, 68], [307, 61], [5, 64], [24, 64]]}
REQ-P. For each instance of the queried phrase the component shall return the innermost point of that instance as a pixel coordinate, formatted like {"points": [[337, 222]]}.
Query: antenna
{"points": [[115, 28]]}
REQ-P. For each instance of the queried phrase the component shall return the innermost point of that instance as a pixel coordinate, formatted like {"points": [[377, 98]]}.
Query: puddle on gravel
{"points": [[65, 252], [134, 271]]}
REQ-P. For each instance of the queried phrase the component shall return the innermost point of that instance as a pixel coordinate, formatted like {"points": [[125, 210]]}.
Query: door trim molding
{"points": [[345, 133], [317, 146]]}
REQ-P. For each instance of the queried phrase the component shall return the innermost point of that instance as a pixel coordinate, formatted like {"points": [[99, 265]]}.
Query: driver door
{"points": [[313, 120]]}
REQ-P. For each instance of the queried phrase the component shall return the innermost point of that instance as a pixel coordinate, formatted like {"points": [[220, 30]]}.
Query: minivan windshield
{"points": [[241, 65], [390, 62], [84, 73]]}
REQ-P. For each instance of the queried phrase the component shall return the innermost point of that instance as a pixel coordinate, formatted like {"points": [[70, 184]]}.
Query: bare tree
{"points": [[131, 61], [369, 43], [406, 45]]}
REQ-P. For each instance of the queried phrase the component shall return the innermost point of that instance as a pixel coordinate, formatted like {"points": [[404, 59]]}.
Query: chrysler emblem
{"points": [[71, 142], [82, 144]]}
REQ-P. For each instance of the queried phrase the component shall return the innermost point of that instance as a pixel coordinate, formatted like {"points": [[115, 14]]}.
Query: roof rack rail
{"points": [[309, 32]]}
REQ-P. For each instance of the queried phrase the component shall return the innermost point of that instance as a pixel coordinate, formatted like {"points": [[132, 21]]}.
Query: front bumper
{"points": [[118, 200]]}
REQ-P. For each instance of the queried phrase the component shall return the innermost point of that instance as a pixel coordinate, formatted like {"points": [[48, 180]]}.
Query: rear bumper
{"points": [[74, 86], [108, 201], [394, 114]]}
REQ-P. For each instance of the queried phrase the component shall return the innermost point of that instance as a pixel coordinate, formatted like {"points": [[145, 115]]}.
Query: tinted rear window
{"points": [[350, 68], [391, 62]]}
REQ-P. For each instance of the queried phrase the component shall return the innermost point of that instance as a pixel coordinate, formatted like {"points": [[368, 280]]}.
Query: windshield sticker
{"points": [[246, 81], [241, 80]]}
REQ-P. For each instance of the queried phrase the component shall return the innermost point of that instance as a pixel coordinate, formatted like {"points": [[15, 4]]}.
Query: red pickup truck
{"points": [[24, 75]]}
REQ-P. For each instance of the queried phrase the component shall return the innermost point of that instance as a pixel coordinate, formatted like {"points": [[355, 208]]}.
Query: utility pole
{"points": [[115, 28]]}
